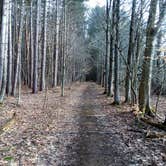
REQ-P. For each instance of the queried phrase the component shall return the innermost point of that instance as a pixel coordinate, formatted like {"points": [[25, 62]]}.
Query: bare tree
{"points": [[10, 53], [56, 47], [151, 31], [107, 44], [17, 76], [130, 55], [4, 48], [36, 43], [44, 50], [116, 57]]}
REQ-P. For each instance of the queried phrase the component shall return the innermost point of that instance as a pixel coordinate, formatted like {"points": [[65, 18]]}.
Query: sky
{"points": [[93, 3]]}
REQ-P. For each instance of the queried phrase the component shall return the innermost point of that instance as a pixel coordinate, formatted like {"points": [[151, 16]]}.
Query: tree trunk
{"points": [[116, 56], [130, 55], [4, 48], [56, 48], [36, 43], [145, 85], [63, 49], [10, 53], [1, 13], [44, 50], [106, 53], [111, 59], [19, 52], [18, 64], [1, 23], [31, 46]]}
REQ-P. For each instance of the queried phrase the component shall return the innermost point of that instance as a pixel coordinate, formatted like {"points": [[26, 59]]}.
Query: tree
{"points": [[4, 49], [1, 59], [31, 45], [106, 52], [44, 50], [10, 53], [111, 58], [36, 43], [151, 31], [130, 55], [56, 45], [17, 76], [116, 57]]}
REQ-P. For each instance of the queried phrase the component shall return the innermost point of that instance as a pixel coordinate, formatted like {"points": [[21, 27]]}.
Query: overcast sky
{"points": [[93, 3]]}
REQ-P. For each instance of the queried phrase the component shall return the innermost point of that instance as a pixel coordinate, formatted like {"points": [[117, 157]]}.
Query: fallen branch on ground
{"points": [[158, 125]]}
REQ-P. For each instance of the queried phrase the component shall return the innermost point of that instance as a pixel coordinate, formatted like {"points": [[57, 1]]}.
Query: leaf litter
{"points": [[82, 128]]}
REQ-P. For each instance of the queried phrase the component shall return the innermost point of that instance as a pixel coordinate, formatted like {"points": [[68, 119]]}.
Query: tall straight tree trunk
{"points": [[27, 34], [1, 23], [56, 48], [1, 13], [145, 85], [111, 58], [31, 46], [18, 64], [36, 43], [158, 45], [10, 53], [116, 56], [63, 48], [138, 41], [44, 50], [106, 53], [151, 32], [130, 55], [19, 51], [4, 48]]}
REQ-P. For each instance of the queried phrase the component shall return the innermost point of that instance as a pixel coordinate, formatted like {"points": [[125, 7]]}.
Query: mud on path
{"points": [[80, 129]]}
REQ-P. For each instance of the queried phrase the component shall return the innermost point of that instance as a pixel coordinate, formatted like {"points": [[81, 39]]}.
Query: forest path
{"points": [[95, 145], [84, 125], [80, 129]]}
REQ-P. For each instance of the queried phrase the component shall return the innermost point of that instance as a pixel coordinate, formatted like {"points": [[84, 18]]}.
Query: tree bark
{"points": [[18, 64], [4, 48], [145, 85], [56, 48], [116, 57], [106, 51], [44, 50], [63, 49], [10, 53], [130, 55], [1, 56], [111, 58], [36, 43], [31, 46]]}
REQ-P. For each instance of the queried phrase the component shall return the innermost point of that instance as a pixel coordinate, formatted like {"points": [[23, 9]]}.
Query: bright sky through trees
{"points": [[93, 3]]}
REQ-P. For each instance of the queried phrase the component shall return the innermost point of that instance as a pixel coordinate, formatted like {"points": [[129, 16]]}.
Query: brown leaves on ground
{"points": [[82, 128]]}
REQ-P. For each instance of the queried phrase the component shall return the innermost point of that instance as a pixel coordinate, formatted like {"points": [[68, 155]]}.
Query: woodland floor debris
{"points": [[80, 129]]}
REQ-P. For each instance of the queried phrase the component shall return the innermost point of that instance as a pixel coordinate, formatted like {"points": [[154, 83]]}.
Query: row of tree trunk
{"points": [[38, 45], [137, 90]]}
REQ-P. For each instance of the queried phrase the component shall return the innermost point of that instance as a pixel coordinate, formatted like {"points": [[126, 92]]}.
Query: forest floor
{"points": [[80, 129]]}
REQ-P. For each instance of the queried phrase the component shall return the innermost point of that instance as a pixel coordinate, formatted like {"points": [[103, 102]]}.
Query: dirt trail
{"points": [[81, 129], [93, 147]]}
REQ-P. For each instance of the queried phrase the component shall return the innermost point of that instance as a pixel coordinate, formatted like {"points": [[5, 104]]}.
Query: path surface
{"points": [[81, 129], [93, 145]]}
